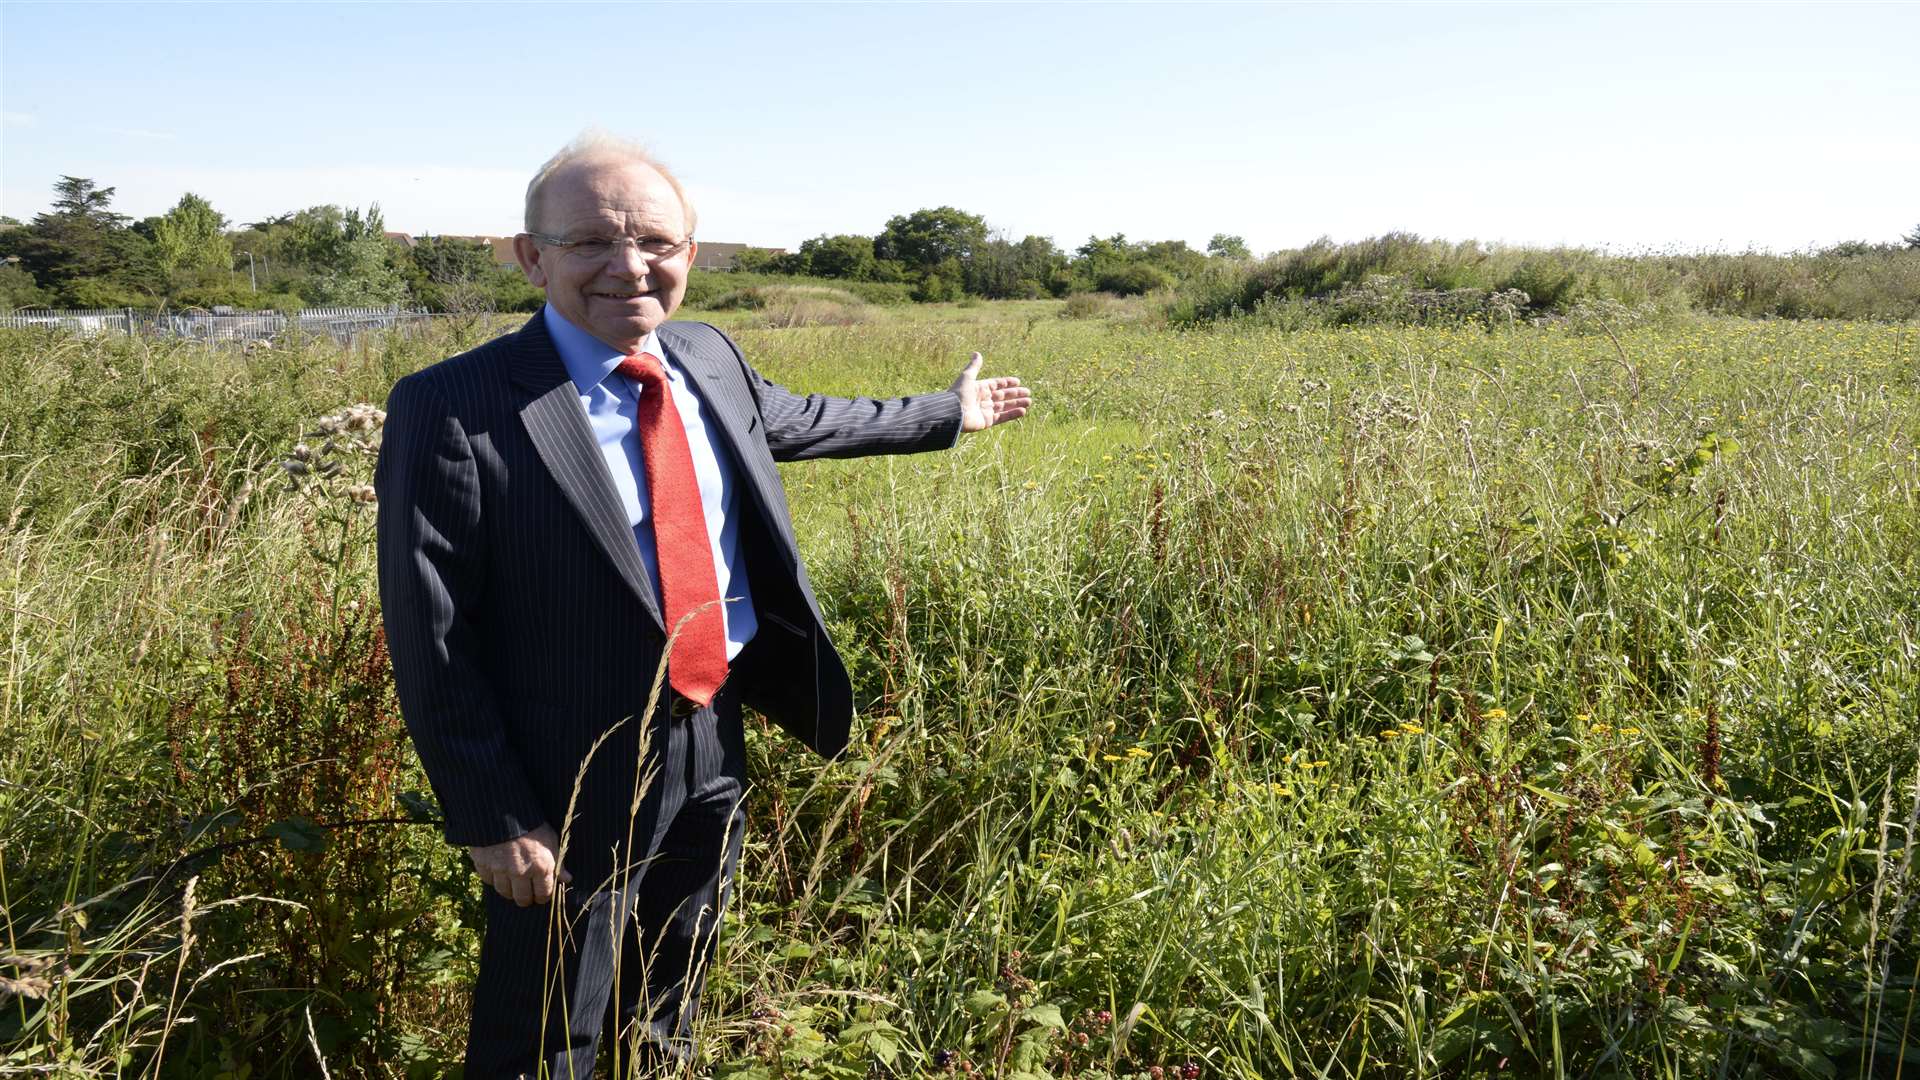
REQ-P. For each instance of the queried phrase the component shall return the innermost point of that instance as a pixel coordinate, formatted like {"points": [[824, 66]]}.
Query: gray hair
{"points": [[595, 144]]}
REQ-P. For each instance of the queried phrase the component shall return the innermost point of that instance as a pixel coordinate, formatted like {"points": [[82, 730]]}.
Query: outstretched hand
{"points": [[986, 402]]}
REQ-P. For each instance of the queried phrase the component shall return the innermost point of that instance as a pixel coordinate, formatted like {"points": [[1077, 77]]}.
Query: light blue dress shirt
{"points": [[612, 404]]}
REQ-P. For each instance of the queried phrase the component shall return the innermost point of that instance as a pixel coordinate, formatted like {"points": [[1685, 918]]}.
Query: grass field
{"points": [[1385, 702]]}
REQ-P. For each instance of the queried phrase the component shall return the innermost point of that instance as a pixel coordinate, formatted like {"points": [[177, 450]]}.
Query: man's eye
{"points": [[593, 246]]}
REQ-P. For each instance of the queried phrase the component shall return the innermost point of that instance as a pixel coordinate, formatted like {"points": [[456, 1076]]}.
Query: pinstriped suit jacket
{"points": [[519, 615]]}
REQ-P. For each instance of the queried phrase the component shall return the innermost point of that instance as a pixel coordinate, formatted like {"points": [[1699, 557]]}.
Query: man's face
{"points": [[622, 297]]}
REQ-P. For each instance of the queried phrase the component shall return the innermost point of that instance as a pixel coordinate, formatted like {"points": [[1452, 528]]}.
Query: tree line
{"points": [[83, 254], [945, 253]]}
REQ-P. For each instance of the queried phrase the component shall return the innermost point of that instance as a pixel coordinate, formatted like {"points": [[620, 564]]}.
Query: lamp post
{"points": [[253, 283]]}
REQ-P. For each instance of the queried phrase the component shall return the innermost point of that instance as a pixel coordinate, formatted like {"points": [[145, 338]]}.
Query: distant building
{"points": [[718, 256]]}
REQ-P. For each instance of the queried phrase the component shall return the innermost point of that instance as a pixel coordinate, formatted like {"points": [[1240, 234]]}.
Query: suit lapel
{"points": [[551, 412], [717, 379]]}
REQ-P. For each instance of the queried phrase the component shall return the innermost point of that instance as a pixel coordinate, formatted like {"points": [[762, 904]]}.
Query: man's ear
{"points": [[528, 254], [693, 252]]}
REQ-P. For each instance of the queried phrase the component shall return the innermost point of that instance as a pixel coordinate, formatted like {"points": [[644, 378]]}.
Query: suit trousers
{"points": [[623, 959]]}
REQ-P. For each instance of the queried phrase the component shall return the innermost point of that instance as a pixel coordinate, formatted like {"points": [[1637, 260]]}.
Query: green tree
{"points": [[346, 256], [925, 239], [190, 244], [1172, 256], [1913, 238], [81, 238], [452, 259], [1228, 246], [17, 288], [456, 275], [1001, 269], [80, 199], [755, 260], [848, 257]]}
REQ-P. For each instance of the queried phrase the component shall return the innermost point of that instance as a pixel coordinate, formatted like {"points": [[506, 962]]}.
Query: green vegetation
{"points": [[81, 254], [1366, 701], [1399, 278]]}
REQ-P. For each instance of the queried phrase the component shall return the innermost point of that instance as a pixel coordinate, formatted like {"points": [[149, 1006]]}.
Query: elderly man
{"points": [[555, 507]]}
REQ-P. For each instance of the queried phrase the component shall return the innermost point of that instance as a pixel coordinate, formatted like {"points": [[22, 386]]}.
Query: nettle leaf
{"points": [[1046, 1016], [298, 834], [883, 1047], [985, 1002]]}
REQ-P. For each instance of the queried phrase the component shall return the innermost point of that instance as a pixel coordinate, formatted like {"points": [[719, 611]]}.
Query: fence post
{"points": [[129, 314]]}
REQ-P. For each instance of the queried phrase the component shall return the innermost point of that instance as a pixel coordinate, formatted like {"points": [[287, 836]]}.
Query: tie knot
{"points": [[642, 367]]}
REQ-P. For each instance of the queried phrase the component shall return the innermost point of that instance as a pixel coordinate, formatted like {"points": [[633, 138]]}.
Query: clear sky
{"points": [[1629, 126]]}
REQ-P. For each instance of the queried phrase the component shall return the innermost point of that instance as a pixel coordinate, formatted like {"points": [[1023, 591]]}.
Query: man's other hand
{"points": [[986, 402], [522, 869]]}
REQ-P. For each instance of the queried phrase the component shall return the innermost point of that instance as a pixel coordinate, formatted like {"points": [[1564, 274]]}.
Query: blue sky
{"points": [[1630, 126]]}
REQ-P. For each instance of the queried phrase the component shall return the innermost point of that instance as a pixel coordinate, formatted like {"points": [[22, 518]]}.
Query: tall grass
{"points": [[1352, 702]]}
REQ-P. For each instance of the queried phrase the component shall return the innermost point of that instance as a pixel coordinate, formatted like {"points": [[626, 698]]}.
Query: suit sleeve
{"points": [[802, 426], [432, 586]]}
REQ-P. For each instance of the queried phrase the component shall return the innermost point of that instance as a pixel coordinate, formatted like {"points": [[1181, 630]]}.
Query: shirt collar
{"points": [[588, 359]]}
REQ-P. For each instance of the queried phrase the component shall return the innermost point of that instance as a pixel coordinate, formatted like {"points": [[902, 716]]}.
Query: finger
{"points": [[522, 891], [502, 883], [542, 885], [566, 875]]}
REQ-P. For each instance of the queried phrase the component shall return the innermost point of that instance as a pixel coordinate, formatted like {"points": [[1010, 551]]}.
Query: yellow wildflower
{"points": [[1495, 714], [1138, 752]]}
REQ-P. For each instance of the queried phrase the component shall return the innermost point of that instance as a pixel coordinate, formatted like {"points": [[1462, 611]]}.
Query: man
{"points": [[553, 506]]}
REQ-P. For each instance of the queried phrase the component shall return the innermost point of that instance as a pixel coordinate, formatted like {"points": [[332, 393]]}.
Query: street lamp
{"points": [[253, 283]]}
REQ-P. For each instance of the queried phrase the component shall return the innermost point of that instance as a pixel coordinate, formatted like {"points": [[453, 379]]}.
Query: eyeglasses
{"points": [[599, 248]]}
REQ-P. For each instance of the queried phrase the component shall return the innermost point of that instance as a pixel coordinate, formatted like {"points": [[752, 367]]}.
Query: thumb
{"points": [[973, 366]]}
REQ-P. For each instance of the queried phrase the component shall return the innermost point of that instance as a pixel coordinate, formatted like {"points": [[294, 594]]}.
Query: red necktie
{"points": [[698, 664]]}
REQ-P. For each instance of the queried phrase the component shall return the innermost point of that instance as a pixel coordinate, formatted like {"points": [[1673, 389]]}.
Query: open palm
{"points": [[986, 402]]}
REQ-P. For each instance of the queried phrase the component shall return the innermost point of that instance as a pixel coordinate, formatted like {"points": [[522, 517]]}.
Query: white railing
{"points": [[338, 322]]}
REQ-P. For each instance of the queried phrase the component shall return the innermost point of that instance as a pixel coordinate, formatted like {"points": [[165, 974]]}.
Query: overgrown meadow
{"points": [[1534, 700]]}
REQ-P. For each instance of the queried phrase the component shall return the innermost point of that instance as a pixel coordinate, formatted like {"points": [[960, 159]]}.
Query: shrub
{"points": [[706, 288], [1132, 279], [783, 306], [18, 290], [1846, 281], [1084, 306]]}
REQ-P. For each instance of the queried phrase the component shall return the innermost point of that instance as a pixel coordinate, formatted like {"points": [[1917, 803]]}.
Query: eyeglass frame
{"points": [[571, 247]]}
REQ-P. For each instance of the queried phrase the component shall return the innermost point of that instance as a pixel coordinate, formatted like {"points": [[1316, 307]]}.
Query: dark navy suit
{"points": [[525, 637]]}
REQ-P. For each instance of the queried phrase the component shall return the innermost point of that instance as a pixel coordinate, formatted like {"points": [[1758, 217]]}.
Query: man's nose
{"points": [[627, 261]]}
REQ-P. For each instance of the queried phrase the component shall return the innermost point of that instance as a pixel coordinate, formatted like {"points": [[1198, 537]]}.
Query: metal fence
{"points": [[341, 323]]}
